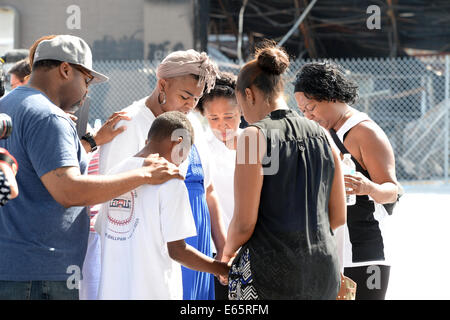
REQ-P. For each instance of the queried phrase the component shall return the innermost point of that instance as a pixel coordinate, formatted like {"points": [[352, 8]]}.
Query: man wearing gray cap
{"points": [[44, 232]]}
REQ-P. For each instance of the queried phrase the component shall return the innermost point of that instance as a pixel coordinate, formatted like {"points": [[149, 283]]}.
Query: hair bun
{"points": [[272, 60]]}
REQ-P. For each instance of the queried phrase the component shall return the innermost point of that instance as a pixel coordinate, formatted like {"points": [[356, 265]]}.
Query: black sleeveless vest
{"points": [[363, 228], [292, 249]]}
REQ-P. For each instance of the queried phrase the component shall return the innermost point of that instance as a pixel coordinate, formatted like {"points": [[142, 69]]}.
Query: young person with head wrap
{"points": [[182, 78]]}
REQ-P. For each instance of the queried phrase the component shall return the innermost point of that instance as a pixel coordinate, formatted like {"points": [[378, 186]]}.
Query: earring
{"points": [[164, 99]]}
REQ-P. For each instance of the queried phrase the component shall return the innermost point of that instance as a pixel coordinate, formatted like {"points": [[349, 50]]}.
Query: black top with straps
{"points": [[292, 249], [363, 228]]}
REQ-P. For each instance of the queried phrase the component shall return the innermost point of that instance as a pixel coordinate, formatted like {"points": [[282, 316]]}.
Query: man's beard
{"points": [[76, 106]]}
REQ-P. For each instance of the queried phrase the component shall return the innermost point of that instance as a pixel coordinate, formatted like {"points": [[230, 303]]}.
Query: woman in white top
{"points": [[220, 108]]}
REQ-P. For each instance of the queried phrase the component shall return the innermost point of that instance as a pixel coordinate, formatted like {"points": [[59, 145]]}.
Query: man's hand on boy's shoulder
{"points": [[160, 170]]}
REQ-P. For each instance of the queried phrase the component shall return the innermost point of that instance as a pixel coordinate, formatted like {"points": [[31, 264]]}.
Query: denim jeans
{"points": [[37, 290]]}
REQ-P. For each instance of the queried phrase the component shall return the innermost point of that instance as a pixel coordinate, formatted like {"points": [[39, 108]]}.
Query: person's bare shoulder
{"points": [[367, 132]]}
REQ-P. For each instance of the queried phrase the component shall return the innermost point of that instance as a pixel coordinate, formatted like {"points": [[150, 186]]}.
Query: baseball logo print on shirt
{"points": [[121, 217]]}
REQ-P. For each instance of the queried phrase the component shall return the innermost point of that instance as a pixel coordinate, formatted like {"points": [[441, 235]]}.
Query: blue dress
{"points": [[198, 285]]}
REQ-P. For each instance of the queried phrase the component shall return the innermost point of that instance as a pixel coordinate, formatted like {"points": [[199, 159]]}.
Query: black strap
{"points": [[344, 150], [388, 206], [90, 139], [338, 142]]}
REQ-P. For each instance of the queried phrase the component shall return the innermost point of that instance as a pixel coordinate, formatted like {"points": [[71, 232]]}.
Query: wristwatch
{"points": [[90, 139]]}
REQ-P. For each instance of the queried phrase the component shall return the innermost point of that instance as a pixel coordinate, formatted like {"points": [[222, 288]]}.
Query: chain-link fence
{"points": [[407, 97]]}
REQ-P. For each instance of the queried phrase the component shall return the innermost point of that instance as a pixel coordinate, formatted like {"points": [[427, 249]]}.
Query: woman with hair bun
{"points": [[289, 194]]}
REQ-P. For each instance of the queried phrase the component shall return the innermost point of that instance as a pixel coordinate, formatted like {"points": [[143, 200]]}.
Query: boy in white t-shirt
{"points": [[142, 232]]}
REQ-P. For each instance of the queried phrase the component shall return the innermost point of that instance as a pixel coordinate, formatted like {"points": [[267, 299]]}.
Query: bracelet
{"points": [[90, 139]]}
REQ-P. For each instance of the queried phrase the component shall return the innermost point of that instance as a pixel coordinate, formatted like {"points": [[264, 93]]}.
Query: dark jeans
{"points": [[37, 290]]}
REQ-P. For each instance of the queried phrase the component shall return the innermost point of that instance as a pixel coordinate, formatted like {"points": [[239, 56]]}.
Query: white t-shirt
{"points": [[129, 142], [223, 160], [134, 230]]}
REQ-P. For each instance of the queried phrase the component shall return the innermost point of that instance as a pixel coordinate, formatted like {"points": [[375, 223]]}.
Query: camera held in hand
{"points": [[5, 126], [2, 79]]}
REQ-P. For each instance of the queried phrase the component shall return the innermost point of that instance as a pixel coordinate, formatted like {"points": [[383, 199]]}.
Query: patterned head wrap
{"points": [[181, 63]]}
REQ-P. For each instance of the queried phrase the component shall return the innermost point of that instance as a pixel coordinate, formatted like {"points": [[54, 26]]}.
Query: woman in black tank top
{"points": [[323, 94], [289, 195]]}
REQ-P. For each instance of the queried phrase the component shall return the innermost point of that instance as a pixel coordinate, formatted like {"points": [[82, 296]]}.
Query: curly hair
{"points": [[325, 82], [225, 88]]}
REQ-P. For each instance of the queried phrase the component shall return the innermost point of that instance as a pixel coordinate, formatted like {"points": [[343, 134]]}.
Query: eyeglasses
{"points": [[84, 72]]}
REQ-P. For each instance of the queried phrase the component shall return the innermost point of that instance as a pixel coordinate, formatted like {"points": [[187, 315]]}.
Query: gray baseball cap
{"points": [[71, 49]]}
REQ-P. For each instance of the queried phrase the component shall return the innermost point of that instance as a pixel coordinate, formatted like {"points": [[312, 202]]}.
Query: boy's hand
{"points": [[228, 260], [224, 269]]}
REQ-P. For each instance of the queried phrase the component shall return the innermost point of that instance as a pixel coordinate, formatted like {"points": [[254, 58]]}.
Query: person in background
{"points": [[324, 95], [289, 194], [92, 263], [182, 79], [46, 248], [8, 164], [19, 73], [223, 114], [8, 170]]}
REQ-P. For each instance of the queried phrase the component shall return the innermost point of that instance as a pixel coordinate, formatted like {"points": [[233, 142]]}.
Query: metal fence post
{"points": [[447, 111]]}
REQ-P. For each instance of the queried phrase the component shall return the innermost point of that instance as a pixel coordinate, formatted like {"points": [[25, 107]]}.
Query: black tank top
{"points": [[363, 228], [292, 249]]}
